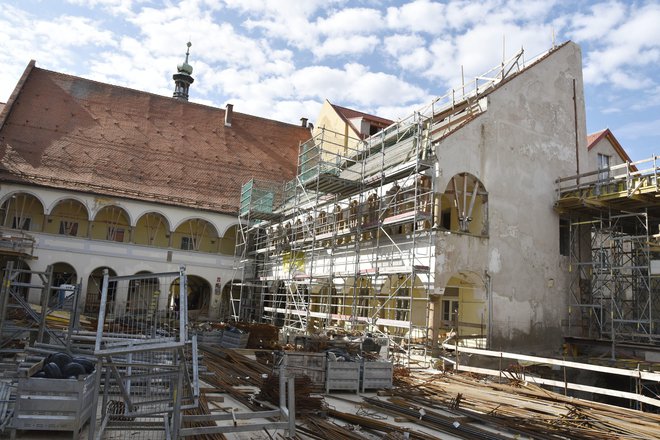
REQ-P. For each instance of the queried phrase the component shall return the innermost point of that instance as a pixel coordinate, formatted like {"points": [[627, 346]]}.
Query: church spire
{"points": [[183, 79]]}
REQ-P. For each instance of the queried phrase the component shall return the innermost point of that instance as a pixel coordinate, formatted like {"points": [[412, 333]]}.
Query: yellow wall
{"points": [[110, 217], [152, 230], [228, 241], [22, 207], [204, 234], [65, 215], [338, 135]]}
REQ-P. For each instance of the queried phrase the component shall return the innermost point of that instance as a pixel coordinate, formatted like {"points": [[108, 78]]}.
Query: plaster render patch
{"points": [[510, 231], [495, 263]]}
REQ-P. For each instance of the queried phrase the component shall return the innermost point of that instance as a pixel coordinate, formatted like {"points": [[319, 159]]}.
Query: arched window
{"points": [[94, 286], [152, 229], [68, 217], [196, 235], [465, 205], [23, 211], [111, 223]]}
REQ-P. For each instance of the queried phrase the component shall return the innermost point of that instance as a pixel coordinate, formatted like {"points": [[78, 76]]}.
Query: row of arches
{"points": [[140, 292], [395, 303], [70, 217]]}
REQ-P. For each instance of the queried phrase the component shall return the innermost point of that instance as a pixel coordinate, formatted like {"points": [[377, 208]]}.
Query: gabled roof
{"points": [[594, 138], [347, 114], [67, 132]]}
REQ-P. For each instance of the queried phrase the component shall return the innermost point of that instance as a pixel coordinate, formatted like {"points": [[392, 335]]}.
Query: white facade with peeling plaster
{"points": [[517, 148]]}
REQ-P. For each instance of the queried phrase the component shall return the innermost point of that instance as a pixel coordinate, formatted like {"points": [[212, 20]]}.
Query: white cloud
{"points": [[462, 14], [116, 7], [354, 85], [399, 44], [602, 18], [418, 16], [355, 44], [351, 21], [622, 55]]}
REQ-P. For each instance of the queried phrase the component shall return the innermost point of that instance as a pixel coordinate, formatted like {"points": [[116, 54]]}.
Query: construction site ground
{"points": [[423, 404]]}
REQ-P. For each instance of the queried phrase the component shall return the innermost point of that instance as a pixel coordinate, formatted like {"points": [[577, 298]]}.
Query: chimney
{"points": [[310, 126], [303, 122], [228, 113]]}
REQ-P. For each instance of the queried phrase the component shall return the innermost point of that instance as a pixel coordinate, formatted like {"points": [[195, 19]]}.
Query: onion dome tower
{"points": [[183, 78]]}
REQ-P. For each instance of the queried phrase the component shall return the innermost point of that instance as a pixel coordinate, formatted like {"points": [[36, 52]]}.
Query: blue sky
{"points": [[281, 59]]}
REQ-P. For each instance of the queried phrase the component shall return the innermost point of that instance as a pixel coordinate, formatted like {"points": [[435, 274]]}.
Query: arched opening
{"points": [[66, 278], [402, 304], [94, 287], [152, 229], [198, 294], [143, 295], [68, 217], [464, 205], [111, 223], [228, 241], [324, 303], [23, 211], [462, 311], [229, 299], [196, 235], [360, 298]]}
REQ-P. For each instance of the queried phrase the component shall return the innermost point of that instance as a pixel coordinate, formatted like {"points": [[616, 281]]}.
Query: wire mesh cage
{"points": [[148, 364]]}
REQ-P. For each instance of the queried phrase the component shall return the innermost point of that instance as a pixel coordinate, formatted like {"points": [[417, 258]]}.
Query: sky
{"points": [[281, 59]]}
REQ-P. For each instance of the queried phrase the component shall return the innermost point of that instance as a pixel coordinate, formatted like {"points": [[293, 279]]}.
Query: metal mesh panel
{"points": [[149, 365]]}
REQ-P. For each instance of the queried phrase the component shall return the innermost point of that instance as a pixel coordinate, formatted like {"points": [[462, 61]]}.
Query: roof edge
{"points": [[17, 91]]}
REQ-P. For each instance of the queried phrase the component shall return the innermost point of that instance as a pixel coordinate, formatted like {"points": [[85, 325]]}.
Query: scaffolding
{"points": [[614, 257], [41, 323], [350, 243]]}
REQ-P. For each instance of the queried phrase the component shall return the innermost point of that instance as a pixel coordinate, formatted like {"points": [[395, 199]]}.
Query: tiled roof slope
{"points": [[350, 113], [71, 133]]}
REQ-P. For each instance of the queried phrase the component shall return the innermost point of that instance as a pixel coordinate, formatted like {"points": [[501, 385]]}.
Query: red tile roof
{"points": [[350, 113], [347, 114], [66, 132], [594, 138]]}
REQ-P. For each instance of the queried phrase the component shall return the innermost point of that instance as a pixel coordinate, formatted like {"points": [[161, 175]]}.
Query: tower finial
{"points": [[188, 51], [183, 78]]}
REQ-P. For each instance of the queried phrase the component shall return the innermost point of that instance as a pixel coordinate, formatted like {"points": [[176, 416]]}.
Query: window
{"points": [[21, 223], [603, 167], [445, 220], [449, 311], [115, 234], [188, 243], [68, 228]]}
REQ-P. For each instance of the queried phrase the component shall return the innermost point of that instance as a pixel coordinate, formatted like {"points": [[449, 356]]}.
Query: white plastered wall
{"points": [[517, 149]]}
